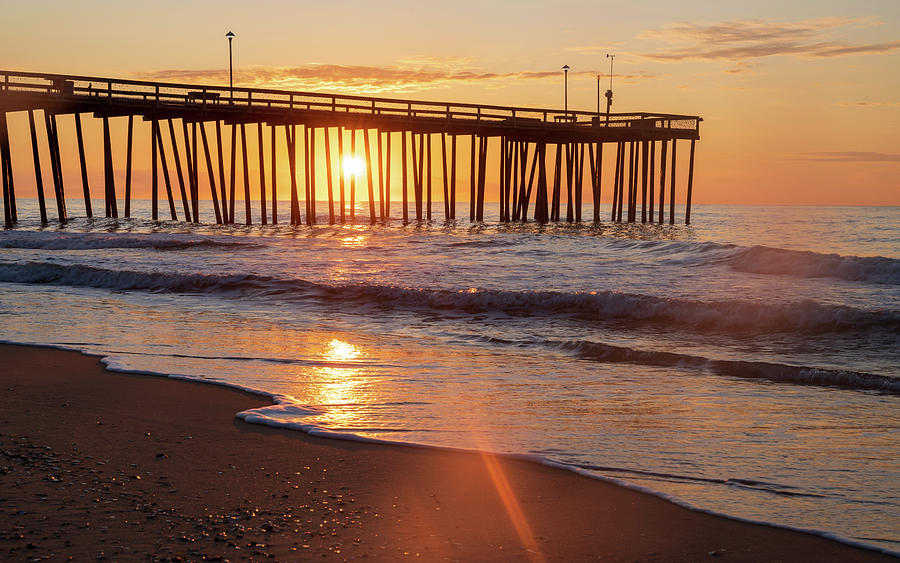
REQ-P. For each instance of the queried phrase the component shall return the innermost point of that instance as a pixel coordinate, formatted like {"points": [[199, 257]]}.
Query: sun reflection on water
{"points": [[340, 383]]}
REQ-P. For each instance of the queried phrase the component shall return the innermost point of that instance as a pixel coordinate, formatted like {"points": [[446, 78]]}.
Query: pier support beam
{"points": [[417, 157], [210, 174], [453, 177], [166, 177], [353, 177], [290, 134], [472, 181], [190, 153], [38, 173], [615, 200], [570, 181], [387, 176], [232, 173], [421, 179], [644, 166], [632, 181], [690, 186], [405, 167], [369, 177], [129, 148], [154, 173], [662, 181], [84, 173], [309, 139], [525, 198], [221, 163], [112, 206], [428, 174], [482, 176], [274, 177], [56, 165], [329, 164], [340, 144], [652, 189], [579, 181], [248, 218], [184, 197], [262, 175], [596, 175], [444, 177], [672, 185], [382, 208], [8, 193]]}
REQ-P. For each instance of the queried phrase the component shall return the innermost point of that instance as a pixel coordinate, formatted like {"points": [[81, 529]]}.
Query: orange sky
{"points": [[801, 100]]}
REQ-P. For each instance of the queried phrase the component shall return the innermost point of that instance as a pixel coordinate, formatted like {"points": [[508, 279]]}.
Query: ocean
{"points": [[746, 365]]}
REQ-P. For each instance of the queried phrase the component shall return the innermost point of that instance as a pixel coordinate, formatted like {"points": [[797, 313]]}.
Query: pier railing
{"points": [[187, 96]]}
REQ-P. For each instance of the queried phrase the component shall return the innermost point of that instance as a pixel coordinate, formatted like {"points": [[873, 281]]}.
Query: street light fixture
{"points": [[609, 93], [566, 73], [230, 36]]}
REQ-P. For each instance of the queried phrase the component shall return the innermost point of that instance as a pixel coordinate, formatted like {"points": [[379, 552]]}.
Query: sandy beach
{"points": [[97, 465]]}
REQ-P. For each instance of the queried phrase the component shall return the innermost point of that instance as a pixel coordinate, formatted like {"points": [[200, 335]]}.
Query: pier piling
{"points": [[38, 176], [211, 175], [672, 185], [83, 162]]}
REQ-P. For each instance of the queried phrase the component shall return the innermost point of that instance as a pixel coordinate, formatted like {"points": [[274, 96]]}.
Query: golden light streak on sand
{"points": [[511, 504]]}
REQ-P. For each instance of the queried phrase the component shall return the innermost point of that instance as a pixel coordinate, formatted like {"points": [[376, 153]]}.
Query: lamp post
{"points": [[598, 96], [566, 98], [609, 93], [230, 36]]}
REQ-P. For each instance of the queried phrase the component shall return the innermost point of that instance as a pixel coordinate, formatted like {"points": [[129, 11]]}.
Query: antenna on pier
{"points": [[609, 93]]}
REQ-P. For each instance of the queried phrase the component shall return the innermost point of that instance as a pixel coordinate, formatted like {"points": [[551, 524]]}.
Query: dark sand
{"points": [[97, 465]]}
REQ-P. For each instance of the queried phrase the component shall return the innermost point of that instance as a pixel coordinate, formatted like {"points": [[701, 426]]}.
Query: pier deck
{"points": [[527, 181]]}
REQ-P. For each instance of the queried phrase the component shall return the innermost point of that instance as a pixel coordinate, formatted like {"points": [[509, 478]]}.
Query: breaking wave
{"points": [[805, 264], [96, 241], [598, 306], [781, 373]]}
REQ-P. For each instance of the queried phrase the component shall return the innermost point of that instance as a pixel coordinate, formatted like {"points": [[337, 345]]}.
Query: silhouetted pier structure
{"points": [[533, 179]]}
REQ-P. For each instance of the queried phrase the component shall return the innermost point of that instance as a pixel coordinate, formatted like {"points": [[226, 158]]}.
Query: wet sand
{"points": [[96, 465]]}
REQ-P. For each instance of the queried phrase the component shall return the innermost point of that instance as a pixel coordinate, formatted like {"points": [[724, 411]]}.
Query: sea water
{"points": [[747, 364]]}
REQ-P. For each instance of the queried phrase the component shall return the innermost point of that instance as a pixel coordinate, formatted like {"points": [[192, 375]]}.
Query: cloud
{"points": [[742, 39], [868, 104], [741, 66], [408, 76], [849, 156], [592, 49]]}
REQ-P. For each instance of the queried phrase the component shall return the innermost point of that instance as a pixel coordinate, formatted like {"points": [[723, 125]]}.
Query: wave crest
{"points": [[806, 264], [781, 373], [98, 241], [599, 306]]}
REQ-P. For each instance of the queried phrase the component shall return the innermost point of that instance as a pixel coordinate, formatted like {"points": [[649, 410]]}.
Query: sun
{"points": [[353, 166]]}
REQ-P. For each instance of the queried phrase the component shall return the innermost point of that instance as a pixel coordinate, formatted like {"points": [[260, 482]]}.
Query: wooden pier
{"points": [[543, 157]]}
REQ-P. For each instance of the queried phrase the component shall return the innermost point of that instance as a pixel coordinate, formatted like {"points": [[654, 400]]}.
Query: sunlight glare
{"points": [[340, 351], [353, 166]]}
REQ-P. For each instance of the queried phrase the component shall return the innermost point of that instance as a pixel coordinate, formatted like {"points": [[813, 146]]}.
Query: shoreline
{"points": [[136, 466]]}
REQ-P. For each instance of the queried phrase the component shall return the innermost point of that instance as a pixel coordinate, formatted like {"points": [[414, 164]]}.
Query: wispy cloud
{"points": [[741, 66], [592, 49], [868, 104], [408, 76], [849, 156], [743, 39]]}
